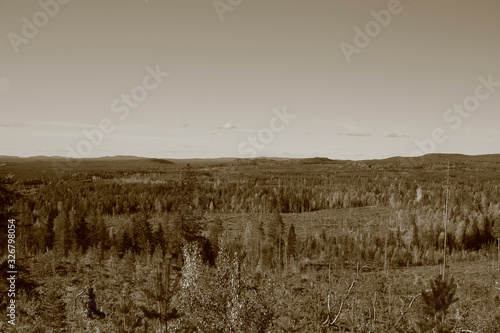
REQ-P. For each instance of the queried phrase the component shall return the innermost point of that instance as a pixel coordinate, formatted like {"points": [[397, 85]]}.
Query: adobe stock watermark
{"points": [[259, 141], [30, 27], [455, 115], [121, 107], [372, 29], [4, 83], [223, 6]]}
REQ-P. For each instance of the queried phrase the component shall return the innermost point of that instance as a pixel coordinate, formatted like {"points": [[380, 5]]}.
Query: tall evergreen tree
{"points": [[126, 243], [163, 285], [159, 239], [292, 243], [62, 231], [53, 309], [254, 241], [437, 302], [49, 230], [102, 235], [82, 234], [142, 233], [173, 236], [274, 240]]}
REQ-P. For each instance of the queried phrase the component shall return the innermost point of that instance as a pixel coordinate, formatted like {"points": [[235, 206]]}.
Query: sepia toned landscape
{"points": [[244, 166]]}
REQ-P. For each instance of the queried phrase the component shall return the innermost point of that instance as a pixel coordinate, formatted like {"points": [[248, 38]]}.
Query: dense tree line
{"points": [[73, 214]]}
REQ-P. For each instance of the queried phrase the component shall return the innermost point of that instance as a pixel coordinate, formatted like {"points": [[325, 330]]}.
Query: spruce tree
{"points": [[142, 233], [126, 243], [82, 234], [53, 309], [163, 285], [63, 233], [159, 239], [292, 243], [275, 240], [437, 302], [49, 234]]}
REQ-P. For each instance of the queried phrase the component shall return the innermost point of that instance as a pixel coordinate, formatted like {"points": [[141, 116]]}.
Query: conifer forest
{"points": [[251, 245]]}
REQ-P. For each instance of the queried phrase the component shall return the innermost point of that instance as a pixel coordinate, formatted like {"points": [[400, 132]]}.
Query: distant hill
{"points": [[317, 160], [439, 158], [41, 166], [146, 161]]}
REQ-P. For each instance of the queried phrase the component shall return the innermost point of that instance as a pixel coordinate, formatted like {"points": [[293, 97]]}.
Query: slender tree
{"points": [[82, 234], [53, 309], [437, 302], [292, 243], [274, 240], [63, 232], [163, 286]]}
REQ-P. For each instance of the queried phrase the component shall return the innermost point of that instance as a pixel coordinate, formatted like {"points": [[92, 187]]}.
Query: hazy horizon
{"points": [[278, 68]]}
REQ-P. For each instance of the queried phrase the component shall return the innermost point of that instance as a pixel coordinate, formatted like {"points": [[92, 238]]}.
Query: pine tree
{"points": [[142, 233], [102, 236], [275, 240], [292, 243], [126, 318], [471, 235], [159, 239], [163, 286], [254, 241], [437, 302], [63, 233], [82, 234], [53, 309], [49, 234], [126, 244]]}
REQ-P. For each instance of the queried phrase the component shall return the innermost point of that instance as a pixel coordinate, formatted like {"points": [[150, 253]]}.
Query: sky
{"points": [[341, 79]]}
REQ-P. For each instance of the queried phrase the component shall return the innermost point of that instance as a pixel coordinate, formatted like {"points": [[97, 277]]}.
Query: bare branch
{"points": [[334, 321], [404, 312], [81, 292]]}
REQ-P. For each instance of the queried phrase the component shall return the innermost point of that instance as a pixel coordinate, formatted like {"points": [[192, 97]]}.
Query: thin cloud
{"points": [[394, 135], [358, 134], [226, 126]]}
